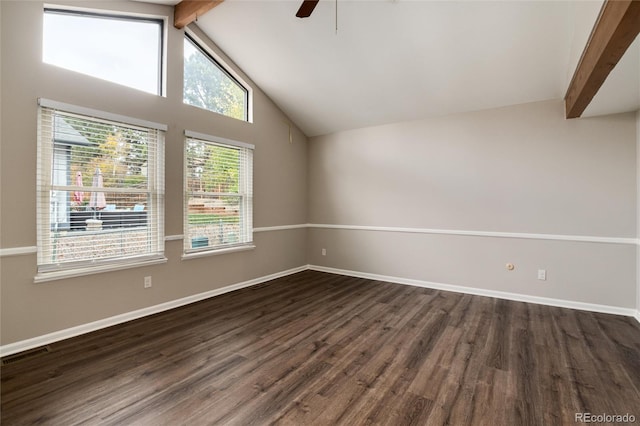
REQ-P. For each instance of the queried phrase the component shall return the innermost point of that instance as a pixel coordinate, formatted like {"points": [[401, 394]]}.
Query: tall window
{"points": [[121, 49], [100, 188], [208, 85], [219, 193]]}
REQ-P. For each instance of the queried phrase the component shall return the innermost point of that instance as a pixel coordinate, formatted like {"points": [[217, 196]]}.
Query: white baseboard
{"points": [[56, 336], [483, 292]]}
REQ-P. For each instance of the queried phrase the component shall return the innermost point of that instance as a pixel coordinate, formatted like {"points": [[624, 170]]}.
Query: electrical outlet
{"points": [[324, 252], [147, 282], [542, 274]]}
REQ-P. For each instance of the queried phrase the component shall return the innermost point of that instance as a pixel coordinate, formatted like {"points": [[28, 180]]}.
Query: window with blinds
{"points": [[100, 188], [219, 193]]}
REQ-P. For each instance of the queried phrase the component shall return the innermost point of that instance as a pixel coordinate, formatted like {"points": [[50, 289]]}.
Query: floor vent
{"points": [[31, 353]]}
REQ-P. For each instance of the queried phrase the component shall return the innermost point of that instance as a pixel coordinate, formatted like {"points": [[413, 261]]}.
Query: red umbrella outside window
{"points": [[78, 196]]}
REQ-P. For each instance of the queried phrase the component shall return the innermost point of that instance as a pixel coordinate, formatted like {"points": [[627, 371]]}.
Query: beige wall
{"points": [[29, 309], [638, 213], [521, 169]]}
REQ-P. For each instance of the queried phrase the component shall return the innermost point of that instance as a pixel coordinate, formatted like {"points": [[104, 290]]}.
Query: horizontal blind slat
{"points": [[47, 103], [101, 189], [218, 201]]}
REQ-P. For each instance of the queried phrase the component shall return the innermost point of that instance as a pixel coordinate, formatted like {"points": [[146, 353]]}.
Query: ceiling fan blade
{"points": [[306, 8]]}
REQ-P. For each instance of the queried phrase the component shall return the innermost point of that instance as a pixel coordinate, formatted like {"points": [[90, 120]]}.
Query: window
{"points": [[100, 188], [208, 85], [219, 193], [121, 49]]}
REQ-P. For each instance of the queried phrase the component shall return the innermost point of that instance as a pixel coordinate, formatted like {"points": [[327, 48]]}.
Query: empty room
{"points": [[294, 212]]}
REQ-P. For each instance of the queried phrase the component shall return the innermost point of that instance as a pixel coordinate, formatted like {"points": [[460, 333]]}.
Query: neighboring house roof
{"points": [[65, 134]]}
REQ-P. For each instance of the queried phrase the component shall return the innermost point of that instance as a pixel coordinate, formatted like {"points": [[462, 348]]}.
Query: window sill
{"points": [[215, 252], [90, 270]]}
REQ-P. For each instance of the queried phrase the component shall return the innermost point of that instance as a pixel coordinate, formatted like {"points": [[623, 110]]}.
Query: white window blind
{"points": [[218, 210], [100, 188]]}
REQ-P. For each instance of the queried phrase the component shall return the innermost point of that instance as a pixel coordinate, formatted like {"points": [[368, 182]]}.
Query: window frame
{"points": [[209, 53], [111, 15], [46, 144], [247, 204]]}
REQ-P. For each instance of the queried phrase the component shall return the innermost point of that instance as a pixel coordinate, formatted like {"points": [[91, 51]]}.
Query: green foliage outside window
{"points": [[207, 86], [121, 156], [212, 168]]}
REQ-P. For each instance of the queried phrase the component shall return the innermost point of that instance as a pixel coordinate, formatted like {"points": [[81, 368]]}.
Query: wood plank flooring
{"points": [[321, 349]]}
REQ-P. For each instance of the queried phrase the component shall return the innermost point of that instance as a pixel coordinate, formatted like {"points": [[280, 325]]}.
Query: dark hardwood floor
{"points": [[322, 349]]}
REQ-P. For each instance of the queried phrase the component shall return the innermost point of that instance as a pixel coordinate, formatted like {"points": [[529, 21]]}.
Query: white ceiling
{"points": [[401, 60], [621, 91]]}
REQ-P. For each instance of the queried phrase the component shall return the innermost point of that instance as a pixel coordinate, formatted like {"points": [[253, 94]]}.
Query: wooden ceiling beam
{"points": [[616, 28], [188, 11]]}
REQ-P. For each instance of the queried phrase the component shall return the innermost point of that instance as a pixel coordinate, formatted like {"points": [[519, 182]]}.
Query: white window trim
{"points": [[212, 251], [216, 252], [134, 15], [205, 137], [81, 272], [52, 272], [47, 103], [221, 62]]}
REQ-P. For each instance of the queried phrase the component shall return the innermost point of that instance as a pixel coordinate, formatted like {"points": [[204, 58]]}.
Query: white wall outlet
{"points": [[324, 252], [147, 282], [542, 274]]}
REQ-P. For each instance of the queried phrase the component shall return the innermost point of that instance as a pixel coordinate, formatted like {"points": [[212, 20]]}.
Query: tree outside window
{"points": [[207, 85]]}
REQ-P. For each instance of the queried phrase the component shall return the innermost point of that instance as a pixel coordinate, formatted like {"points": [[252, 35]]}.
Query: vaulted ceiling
{"points": [[397, 60]]}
